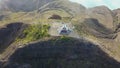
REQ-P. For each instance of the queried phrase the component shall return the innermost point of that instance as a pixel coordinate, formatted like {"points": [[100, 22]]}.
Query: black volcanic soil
{"points": [[61, 53], [9, 33]]}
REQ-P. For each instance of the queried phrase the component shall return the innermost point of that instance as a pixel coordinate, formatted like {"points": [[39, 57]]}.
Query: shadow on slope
{"points": [[61, 53], [93, 26], [1, 17], [9, 33]]}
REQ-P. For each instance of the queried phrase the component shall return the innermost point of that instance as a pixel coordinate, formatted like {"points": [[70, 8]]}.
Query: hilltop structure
{"points": [[64, 30]]}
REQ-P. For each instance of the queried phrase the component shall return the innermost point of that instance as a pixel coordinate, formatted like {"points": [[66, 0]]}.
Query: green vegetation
{"points": [[34, 32], [64, 38]]}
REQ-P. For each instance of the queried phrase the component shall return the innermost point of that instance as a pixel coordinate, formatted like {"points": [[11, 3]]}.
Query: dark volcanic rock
{"points": [[62, 53]]}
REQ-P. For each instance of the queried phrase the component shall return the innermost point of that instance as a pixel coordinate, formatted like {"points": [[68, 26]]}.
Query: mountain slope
{"points": [[103, 14], [9, 33], [23, 5], [100, 25], [72, 8], [61, 52], [116, 13], [92, 26]]}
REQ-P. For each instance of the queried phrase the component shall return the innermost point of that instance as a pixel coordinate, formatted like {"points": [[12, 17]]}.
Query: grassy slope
{"points": [[38, 25], [32, 17]]}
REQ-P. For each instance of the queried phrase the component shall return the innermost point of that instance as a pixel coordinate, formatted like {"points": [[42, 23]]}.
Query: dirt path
{"points": [[9, 51]]}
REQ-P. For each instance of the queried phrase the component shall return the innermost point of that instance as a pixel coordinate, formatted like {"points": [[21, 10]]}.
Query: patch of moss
{"points": [[64, 38]]}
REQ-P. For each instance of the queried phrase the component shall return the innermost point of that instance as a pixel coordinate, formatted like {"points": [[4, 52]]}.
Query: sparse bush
{"points": [[64, 38]]}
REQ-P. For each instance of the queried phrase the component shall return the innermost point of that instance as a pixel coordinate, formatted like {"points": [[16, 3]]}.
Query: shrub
{"points": [[35, 32]]}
